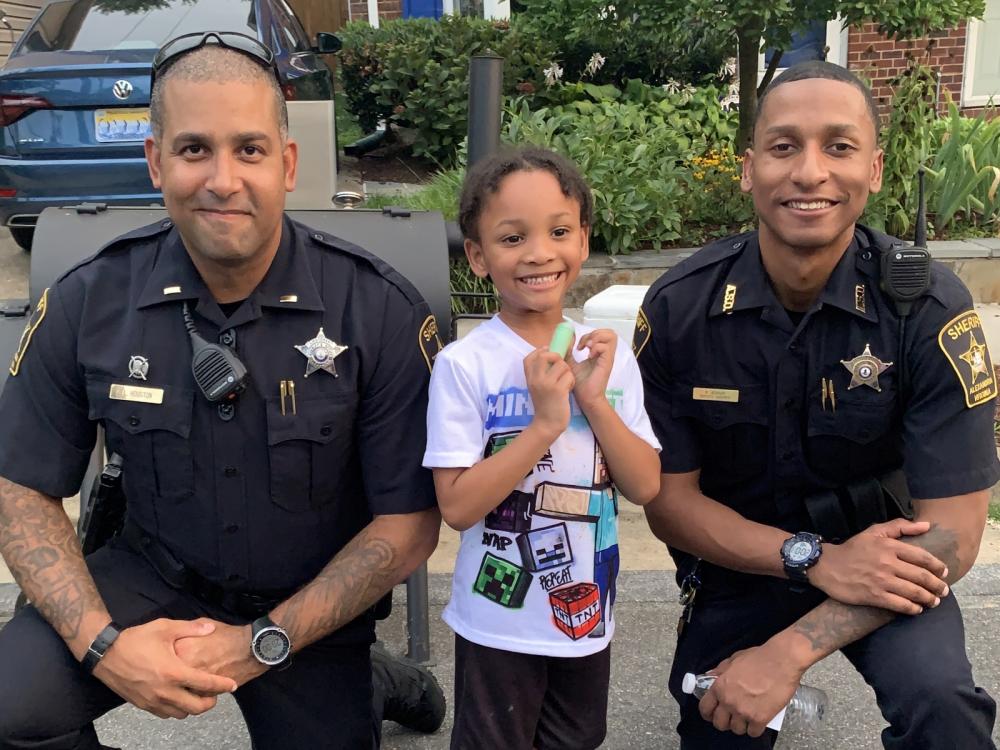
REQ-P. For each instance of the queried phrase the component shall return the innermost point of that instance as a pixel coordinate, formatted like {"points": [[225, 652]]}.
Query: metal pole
{"points": [[485, 105], [418, 632]]}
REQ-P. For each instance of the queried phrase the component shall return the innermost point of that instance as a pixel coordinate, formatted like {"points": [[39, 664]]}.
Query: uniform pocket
{"points": [[311, 451], [733, 437], [855, 441], [153, 439]]}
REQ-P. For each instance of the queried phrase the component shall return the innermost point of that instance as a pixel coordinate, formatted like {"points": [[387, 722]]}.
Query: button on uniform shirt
{"points": [[770, 410], [256, 494]]}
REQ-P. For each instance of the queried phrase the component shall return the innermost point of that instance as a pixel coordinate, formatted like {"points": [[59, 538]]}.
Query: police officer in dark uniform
{"points": [[273, 482], [794, 410]]}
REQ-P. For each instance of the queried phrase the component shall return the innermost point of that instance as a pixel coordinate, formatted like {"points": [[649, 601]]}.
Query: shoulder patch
{"points": [[964, 344], [429, 340], [643, 330], [29, 330]]}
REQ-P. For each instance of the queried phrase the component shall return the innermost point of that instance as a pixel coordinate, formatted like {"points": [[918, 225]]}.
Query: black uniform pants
{"points": [[323, 700], [917, 667]]}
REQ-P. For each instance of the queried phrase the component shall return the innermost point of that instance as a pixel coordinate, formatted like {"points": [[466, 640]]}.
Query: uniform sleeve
{"points": [[680, 451], [633, 411], [391, 420], [454, 418], [948, 443], [47, 438]]}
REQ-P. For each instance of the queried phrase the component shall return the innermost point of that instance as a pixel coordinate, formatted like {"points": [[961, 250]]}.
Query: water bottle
{"points": [[806, 709]]}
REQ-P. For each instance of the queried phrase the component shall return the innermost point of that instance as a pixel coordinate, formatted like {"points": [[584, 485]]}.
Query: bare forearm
{"points": [[632, 461], [686, 519], [41, 548], [833, 625], [480, 488], [384, 553]]}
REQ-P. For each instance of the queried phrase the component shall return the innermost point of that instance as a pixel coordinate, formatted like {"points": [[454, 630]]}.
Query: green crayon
{"points": [[561, 339]]}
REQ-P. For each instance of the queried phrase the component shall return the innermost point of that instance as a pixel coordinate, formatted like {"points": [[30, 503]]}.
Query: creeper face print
{"points": [[502, 581]]}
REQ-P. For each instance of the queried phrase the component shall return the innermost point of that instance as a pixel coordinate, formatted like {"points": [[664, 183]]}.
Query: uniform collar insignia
{"points": [[320, 353], [865, 369], [138, 367]]}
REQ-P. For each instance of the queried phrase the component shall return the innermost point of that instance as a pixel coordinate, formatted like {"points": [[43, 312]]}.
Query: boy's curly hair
{"points": [[484, 179]]}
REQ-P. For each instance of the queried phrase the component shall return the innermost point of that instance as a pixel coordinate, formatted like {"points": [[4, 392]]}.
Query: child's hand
{"points": [[550, 381], [592, 374]]}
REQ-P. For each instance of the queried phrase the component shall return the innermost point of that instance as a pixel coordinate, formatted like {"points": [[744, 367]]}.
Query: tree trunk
{"points": [[748, 51]]}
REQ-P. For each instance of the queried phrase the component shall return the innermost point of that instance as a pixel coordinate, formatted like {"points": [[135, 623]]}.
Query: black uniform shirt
{"points": [[259, 495], [734, 389]]}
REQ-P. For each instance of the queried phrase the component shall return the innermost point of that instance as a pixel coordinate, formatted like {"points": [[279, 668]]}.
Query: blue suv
{"points": [[74, 100]]}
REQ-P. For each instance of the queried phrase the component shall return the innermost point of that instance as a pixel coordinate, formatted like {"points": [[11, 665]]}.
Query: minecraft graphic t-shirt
{"points": [[537, 575]]}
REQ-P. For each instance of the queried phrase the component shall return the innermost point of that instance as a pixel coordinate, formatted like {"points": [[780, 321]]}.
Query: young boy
{"points": [[529, 450]]}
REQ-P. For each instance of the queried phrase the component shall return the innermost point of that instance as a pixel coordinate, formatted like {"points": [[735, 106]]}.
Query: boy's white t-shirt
{"points": [[537, 575]]}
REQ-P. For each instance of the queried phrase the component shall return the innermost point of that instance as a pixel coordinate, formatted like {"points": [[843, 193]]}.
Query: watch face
{"points": [[800, 552], [272, 646]]}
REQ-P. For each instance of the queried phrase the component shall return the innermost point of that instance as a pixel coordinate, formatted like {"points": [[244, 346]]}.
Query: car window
{"points": [[92, 25], [293, 37]]}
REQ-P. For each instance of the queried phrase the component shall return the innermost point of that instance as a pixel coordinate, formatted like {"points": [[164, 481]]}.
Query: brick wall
{"points": [[387, 9], [880, 60]]}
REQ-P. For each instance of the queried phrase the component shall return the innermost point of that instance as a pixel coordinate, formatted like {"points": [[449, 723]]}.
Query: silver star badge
{"points": [[865, 369], [138, 367], [320, 353]]}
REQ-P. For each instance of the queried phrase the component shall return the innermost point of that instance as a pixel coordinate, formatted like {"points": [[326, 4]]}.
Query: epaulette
{"points": [[142, 233], [381, 267], [709, 255]]}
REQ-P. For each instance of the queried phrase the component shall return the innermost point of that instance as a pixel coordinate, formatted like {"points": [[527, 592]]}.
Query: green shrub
{"points": [[415, 73], [651, 40], [635, 148]]}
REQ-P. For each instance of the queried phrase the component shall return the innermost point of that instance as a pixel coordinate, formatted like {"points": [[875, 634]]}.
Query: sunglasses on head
{"points": [[237, 42]]}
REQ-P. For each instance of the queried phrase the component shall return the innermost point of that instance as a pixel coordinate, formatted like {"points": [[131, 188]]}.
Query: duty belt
{"points": [[246, 604]]}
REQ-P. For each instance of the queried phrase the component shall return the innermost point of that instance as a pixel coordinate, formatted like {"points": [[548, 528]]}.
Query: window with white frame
{"points": [[817, 41], [981, 82]]}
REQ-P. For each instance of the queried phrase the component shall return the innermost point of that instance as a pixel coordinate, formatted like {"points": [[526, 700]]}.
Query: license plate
{"points": [[121, 125]]}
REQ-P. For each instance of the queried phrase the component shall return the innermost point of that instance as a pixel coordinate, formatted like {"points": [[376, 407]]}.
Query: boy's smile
{"points": [[532, 245]]}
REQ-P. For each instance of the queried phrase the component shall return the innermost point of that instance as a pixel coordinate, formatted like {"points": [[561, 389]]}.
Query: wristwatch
{"points": [[799, 553], [100, 646], [269, 643]]}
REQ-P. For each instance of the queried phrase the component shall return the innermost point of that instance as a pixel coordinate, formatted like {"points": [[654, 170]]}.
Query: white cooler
{"points": [[615, 308]]}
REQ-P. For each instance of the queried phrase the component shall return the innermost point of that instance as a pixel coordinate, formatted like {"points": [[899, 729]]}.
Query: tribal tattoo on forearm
{"points": [[41, 548], [833, 625], [352, 582]]}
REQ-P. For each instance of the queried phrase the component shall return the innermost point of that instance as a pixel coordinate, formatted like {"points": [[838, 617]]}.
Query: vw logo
{"points": [[122, 89]]}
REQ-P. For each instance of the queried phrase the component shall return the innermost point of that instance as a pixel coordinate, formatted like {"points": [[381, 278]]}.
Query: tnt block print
{"points": [[545, 548], [502, 581], [576, 608]]}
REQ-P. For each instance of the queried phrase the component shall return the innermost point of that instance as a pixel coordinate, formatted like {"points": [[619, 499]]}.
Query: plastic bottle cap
{"points": [[689, 682]]}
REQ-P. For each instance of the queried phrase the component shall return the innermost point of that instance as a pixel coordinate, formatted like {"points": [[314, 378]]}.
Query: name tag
{"points": [[136, 393], [728, 395]]}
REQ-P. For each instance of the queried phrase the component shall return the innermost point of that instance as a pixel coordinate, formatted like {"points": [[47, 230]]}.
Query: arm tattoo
{"points": [[42, 551], [359, 575], [833, 625]]}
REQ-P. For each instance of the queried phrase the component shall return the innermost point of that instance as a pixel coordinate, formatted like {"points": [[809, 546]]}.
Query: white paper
{"points": [[778, 720]]}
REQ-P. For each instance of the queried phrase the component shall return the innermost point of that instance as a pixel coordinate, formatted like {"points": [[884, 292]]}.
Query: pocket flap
{"points": [[317, 420], [173, 414]]}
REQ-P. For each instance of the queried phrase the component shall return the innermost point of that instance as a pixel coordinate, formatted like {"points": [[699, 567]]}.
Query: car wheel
{"points": [[23, 237]]}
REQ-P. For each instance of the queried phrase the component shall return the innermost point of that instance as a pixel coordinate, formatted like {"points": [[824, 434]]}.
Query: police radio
{"points": [[906, 272], [217, 370]]}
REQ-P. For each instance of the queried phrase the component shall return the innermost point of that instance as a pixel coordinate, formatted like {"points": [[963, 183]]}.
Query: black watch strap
{"points": [[100, 646]]}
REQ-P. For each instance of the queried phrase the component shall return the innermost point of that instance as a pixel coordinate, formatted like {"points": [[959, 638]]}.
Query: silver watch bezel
{"points": [[260, 635]]}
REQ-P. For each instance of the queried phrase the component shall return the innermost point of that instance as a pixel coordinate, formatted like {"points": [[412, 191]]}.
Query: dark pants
{"points": [[917, 667], [323, 700]]}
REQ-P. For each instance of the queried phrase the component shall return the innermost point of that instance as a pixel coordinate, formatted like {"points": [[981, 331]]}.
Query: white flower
{"points": [[595, 63], [553, 74], [671, 86], [605, 12], [728, 68], [731, 98]]}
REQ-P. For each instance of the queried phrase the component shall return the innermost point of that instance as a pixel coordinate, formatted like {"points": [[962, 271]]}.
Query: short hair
{"points": [[214, 63], [484, 179], [821, 69]]}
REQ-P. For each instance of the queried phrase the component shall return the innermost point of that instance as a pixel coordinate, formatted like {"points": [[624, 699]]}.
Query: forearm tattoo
{"points": [[41, 548], [360, 574], [833, 624]]}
